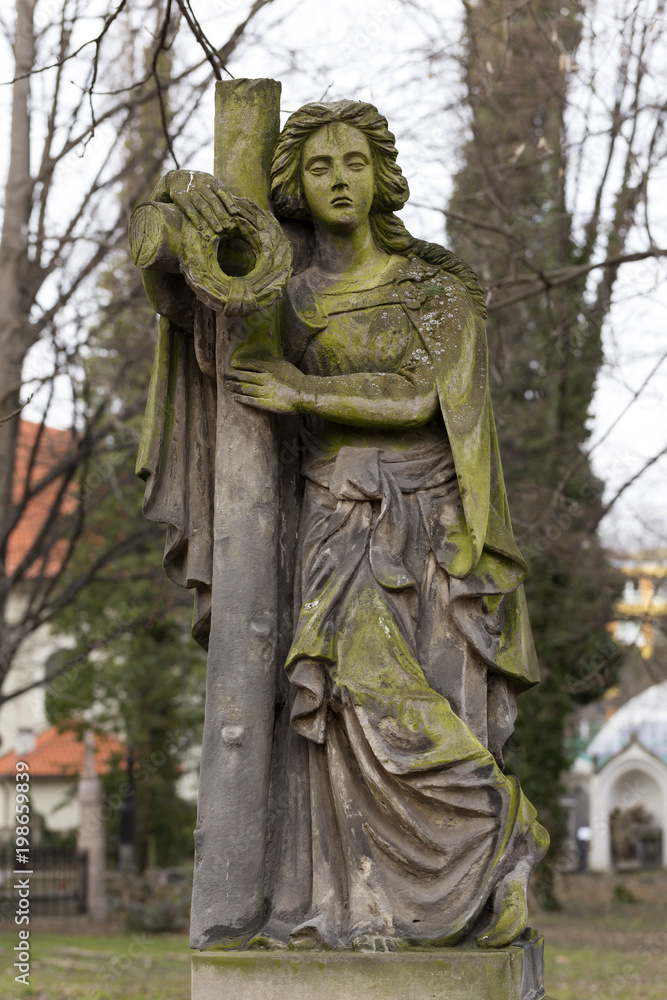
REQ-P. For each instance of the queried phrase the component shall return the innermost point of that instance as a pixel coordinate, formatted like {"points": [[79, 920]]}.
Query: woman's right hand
{"points": [[202, 198], [268, 385]]}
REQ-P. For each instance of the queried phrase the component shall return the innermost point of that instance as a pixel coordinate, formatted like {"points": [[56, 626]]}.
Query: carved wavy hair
{"points": [[391, 187]]}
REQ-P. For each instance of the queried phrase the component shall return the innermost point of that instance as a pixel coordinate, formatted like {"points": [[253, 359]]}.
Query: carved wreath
{"points": [[197, 255]]}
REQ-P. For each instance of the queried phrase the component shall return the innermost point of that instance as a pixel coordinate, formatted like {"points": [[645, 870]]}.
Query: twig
{"points": [[15, 413]]}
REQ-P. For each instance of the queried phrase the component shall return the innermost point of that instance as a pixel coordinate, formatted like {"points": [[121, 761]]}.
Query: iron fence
{"points": [[57, 880]]}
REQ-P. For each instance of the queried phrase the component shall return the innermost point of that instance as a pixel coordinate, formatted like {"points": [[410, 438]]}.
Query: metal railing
{"points": [[57, 880]]}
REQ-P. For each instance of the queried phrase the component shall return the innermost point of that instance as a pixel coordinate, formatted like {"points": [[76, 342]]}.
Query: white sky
{"points": [[374, 51]]}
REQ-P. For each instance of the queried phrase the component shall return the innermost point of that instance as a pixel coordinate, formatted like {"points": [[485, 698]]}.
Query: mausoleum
{"points": [[618, 786]]}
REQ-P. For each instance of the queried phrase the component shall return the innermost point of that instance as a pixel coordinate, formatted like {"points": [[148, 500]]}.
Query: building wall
{"points": [[632, 778], [26, 712], [55, 799]]}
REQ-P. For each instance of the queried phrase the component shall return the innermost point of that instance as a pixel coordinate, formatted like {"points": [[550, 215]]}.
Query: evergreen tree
{"points": [[509, 218]]}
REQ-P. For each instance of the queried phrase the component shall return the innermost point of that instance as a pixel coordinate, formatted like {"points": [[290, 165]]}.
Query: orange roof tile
{"points": [[59, 754], [43, 447]]}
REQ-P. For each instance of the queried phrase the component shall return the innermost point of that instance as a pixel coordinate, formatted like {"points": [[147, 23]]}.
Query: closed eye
{"points": [[318, 164]]}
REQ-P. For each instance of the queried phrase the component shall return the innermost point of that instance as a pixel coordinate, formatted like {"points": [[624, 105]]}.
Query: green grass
{"points": [[78, 966], [599, 947], [608, 961]]}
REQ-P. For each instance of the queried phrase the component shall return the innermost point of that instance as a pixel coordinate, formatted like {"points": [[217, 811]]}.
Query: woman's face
{"points": [[337, 176]]}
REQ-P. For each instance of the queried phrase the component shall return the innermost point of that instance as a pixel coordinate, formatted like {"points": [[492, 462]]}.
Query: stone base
{"points": [[515, 973]]}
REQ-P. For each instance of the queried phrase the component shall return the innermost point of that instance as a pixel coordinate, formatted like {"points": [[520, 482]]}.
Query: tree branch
{"points": [[564, 275]]}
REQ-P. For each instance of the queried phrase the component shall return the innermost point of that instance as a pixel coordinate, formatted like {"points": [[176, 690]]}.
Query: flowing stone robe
{"points": [[389, 812]]}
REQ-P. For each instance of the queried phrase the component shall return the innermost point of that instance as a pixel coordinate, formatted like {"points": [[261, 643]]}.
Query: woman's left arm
{"points": [[362, 399]]}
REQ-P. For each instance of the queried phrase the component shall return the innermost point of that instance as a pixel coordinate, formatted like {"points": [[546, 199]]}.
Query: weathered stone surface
{"points": [[514, 973], [346, 531]]}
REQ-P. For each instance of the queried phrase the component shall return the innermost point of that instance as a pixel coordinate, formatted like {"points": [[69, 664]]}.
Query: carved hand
{"points": [[201, 197], [360, 400], [275, 386]]}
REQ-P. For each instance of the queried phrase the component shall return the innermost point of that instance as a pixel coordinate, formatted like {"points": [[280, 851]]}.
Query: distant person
{"points": [[584, 837]]}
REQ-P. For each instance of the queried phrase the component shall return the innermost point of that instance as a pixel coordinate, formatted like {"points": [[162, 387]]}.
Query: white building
{"points": [[38, 450], [624, 767], [56, 762]]}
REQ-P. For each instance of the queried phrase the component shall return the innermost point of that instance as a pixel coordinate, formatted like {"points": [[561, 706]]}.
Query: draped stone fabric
{"points": [[434, 328], [390, 813], [414, 825], [176, 458]]}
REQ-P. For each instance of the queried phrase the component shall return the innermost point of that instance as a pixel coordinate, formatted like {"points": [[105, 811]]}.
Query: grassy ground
{"points": [[77, 965], [601, 946]]}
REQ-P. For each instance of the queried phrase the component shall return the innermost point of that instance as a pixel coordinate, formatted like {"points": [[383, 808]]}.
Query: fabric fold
{"points": [[176, 461]]}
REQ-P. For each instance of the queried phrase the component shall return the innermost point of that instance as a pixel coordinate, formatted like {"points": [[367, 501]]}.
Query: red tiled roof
{"points": [[52, 447], [59, 754]]}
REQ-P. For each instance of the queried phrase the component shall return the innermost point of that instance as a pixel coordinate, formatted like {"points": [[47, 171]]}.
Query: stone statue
{"points": [[352, 786]]}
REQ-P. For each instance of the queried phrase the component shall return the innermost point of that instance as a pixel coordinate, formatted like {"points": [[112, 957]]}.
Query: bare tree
{"points": [[98, 109]]}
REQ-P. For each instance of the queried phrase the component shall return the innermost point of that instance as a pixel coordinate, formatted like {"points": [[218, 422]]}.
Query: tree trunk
{"points": [[14, 328]]}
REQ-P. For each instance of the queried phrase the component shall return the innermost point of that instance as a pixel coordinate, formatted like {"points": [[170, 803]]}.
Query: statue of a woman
{"points": [[411, 640]]}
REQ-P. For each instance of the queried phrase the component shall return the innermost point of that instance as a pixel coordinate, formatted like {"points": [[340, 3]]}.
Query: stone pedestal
{"points": [[515, 973]]}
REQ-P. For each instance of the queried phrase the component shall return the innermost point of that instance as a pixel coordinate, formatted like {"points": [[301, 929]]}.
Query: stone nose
{"points": [[339, 178]]}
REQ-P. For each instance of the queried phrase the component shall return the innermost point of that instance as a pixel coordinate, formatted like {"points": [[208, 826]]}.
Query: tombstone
{"points": [[320, 443]]}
